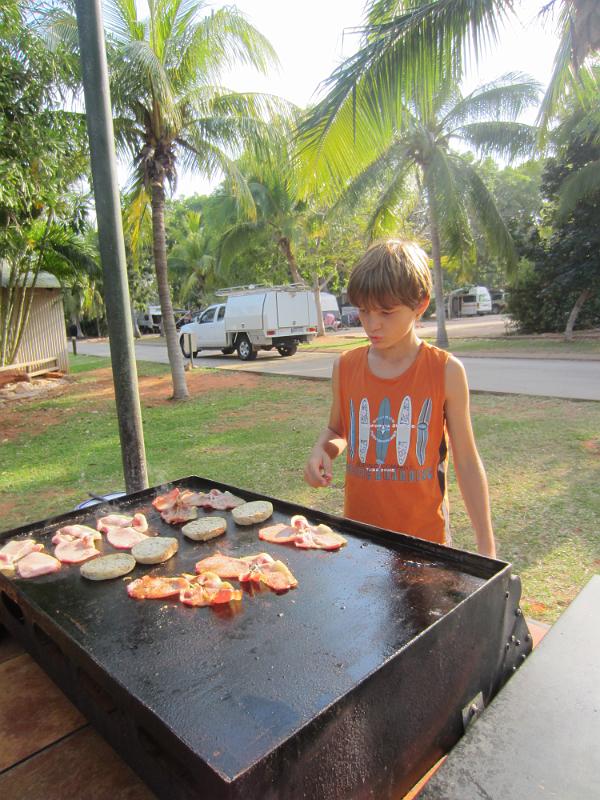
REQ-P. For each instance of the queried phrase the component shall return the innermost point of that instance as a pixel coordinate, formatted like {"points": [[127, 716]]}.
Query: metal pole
{"points": [[112, 249]]}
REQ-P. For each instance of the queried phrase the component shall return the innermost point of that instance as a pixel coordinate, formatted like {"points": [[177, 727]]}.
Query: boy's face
{"points": [[388, 325]]}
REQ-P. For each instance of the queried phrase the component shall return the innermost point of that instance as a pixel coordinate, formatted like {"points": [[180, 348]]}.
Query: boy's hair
{"points": [[394, 272]]}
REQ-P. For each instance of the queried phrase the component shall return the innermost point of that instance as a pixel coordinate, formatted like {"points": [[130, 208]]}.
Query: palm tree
{"points": [[410, 46], [191, 260], [171, 114], [418, 156]]}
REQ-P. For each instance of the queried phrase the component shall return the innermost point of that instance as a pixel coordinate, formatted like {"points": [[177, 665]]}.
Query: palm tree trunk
{"points": [[585, 295], [320, 320], [159, 247], [438, 280], [286, 248], [134, 322]]}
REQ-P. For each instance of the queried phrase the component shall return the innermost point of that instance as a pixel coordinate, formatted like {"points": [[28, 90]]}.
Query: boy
{"points": [[395, 403]]}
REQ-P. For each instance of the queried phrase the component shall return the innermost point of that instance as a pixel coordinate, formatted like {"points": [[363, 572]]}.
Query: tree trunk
{"points": [[286, 248], [320, 320], [438, 280], [585, 295], [159, 247], [136, 328]]}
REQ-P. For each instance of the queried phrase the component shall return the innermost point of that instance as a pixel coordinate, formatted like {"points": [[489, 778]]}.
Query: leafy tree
{"points": [[417, 157], [170, 113], [42, 155], [561, 287]]}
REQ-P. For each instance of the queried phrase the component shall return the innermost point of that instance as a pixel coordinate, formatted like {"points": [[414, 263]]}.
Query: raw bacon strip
{"points": [[137, 521], [124, 538], [36, 564], [215, 499], [176, 506], [179, 513], [273, 574], [165, 501], [71, 550], [73, 533], [223, 566], [229, 567], [279, 533], [154, 587], [207, 590], [16, 549], [303, 535]]}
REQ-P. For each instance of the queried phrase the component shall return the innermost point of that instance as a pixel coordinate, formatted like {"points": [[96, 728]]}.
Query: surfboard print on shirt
{"points": [[352, 437], [364, 429], [403, 429], [382, 433], [423, 430]]}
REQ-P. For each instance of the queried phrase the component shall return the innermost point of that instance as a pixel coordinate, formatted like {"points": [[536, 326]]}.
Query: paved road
{"points": [[579, 380]]}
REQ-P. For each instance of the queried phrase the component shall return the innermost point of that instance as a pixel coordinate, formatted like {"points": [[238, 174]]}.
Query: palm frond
{"points": [[493, 225], [504, 98], [580, 184], [445, 188], [233, 240], [506, 140], [407, 55], [387, 214]]}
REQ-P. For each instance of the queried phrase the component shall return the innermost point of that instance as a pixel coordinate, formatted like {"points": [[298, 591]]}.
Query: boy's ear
{"points": [[422, 307]]}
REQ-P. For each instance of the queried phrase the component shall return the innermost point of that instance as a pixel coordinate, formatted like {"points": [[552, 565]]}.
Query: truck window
{"points": [[208, 315], [221, 313]]}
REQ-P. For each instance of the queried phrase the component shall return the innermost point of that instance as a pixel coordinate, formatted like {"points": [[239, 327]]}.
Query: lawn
{"points": [[538, 346], [542, 458]]}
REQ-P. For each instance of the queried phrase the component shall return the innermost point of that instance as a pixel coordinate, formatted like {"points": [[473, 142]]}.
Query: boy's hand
{"points": [[317, 472]]}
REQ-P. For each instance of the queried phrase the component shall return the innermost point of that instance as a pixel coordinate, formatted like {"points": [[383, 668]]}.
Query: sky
{"points": [[312, 37]]}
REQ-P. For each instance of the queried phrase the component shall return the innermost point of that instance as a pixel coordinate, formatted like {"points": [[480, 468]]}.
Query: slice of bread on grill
{"points": [[155, 549], [105, 567], [253, 512], [205, 528]]}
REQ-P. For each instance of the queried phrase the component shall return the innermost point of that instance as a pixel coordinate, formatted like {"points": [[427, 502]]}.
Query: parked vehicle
{"points": [[331, 311], [499, 300], [350, 317], [469, 301], [150, 319], [253, 318]]}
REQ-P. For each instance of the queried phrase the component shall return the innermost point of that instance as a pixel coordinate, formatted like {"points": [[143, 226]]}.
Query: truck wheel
{"points": [[287, 349], [227, 351], [245, 350], [186, 353]]}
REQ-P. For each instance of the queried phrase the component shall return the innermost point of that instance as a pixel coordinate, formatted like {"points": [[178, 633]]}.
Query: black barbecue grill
{"points": [[349, 686]]}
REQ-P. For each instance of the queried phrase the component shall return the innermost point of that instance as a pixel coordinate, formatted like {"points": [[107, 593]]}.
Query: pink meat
{"points": [[36, 564], [16, 549], [124, 538], [168, 500], [279, 533], [137, 521], [303, 535], [72, 550], [73, 533], [214, 499]]}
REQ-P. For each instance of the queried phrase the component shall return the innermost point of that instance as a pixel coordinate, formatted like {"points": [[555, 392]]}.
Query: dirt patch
{"points": [[592, 446], [96, 388]]}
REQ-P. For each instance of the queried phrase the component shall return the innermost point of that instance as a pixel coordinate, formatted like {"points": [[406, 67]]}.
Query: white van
{"points": [[253, 318], [469, 301], [476, 302], [330, 310]]}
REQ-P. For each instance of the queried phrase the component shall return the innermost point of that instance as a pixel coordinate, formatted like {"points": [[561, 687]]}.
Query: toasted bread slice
{"points": [[104, 568], [253, 512], [155, 549], [205, 528]]}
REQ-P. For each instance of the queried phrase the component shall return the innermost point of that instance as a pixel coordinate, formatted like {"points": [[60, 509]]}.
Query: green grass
{"points": [[508, 345], [542, 458]]}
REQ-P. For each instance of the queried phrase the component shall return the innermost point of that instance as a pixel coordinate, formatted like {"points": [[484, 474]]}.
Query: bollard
{"points": [[74, 343], [188, 338]]}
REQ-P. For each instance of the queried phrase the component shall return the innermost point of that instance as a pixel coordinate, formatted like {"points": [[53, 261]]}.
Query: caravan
{"points": [[469, 301]]}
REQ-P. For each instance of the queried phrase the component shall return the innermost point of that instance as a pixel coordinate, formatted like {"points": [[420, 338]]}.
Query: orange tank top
{"points": [[397, 444]]}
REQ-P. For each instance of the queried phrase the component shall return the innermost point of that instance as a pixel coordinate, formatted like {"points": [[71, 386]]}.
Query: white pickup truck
{"points": [[253, 318]]}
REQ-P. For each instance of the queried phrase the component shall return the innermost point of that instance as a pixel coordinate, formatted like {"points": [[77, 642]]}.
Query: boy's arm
{"points": [[330, 443], [469, 470]]}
